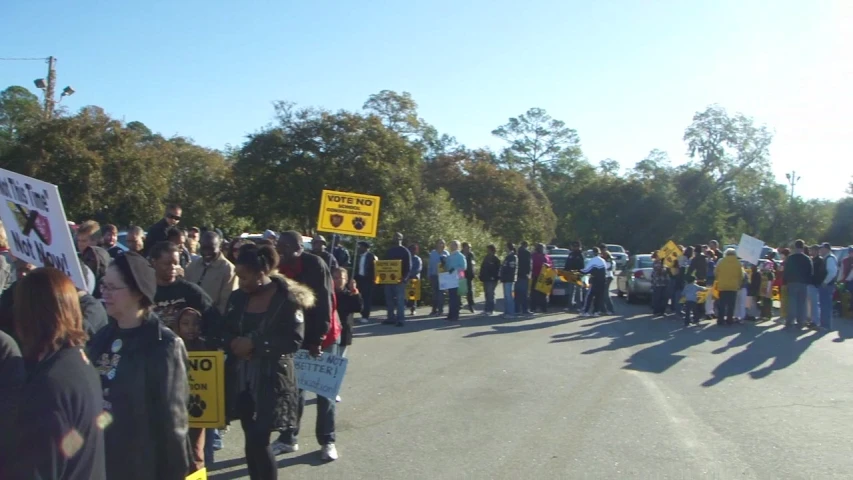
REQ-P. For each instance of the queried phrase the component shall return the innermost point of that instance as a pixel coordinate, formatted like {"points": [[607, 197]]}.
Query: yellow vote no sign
{"points": [[388, 272], [206, 375], [349, 213], [413, 289]]}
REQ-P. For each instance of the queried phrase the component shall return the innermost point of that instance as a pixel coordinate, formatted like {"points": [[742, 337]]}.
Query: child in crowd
{"points": [[349, 303], [660, 280], [691, 297], [740, 302], [752, 294], [768, 276], [189, 329]]}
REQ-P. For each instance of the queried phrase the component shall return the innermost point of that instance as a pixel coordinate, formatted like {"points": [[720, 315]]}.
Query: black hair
{"points": [[126, 273], [258, 258], [173, 206], [161, 248], [174, 232], [491, 247], [799, 244], [688, 252], [510, 246]]}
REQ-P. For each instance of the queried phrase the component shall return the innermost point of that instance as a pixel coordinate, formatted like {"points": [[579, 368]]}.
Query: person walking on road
{"points": [[509, 271], [395, 294], [522, 283], [799, 272], [365, 277], [436, 261], [729, 275], [490, 274]]}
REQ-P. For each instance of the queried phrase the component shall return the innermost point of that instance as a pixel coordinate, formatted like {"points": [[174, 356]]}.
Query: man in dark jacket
{"points": [[318, 247], [157, 232], [340, 252], [470, 260], [509, 272], [574, 263], [395, 295], [798, 273], [490, 274], [365, 277], [522, 283], [93, 256], [311, 271]]}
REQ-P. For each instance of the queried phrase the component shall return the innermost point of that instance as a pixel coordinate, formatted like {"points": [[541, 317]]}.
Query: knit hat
{"points": [[143, 274]]}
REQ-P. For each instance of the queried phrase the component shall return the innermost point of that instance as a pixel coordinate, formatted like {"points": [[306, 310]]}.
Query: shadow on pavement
{"points": [[308, 458]]}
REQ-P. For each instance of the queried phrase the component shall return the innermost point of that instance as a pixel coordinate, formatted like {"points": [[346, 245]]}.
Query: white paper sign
{"points": [[322, 375], [447, 280], [749, 249], [35, 223]]}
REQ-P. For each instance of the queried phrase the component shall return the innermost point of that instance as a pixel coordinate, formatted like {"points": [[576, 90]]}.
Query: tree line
{"points": [[539, 188]]}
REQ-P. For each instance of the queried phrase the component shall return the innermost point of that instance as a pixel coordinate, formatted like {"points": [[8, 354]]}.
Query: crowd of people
{"points": [[94, 380]]}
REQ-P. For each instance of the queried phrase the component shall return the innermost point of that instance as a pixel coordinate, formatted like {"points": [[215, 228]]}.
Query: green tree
{"points": [[536, 141], [20, 112]]}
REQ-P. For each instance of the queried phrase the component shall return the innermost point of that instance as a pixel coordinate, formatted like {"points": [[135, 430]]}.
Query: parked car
{"points": [[620, 256], [635, 280]]}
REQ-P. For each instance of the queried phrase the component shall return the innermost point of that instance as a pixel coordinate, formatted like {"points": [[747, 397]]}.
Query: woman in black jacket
{"points": [[143, 369], [262, 330], [58, 432]]}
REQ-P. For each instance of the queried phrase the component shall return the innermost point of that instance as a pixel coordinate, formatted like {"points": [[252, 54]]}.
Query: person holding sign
{"points": [[143, 370], [539, 300], [189, 329], [395, 295], [262, 330]]}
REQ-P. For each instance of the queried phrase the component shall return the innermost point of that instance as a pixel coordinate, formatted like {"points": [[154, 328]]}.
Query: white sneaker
{"points": [[338, 399], [329, 453], [279, 448], [363, 320]]}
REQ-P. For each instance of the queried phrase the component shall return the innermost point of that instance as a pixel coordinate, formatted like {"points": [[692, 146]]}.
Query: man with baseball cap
{"points": [[318, 247]]}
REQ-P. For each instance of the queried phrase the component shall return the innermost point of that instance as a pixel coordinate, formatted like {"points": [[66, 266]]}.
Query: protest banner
{"points": [[322, 375], [545, 282], [669, 253], [349, 213], [388, 272], [199, 475], [447, 281], [749, 249], [206, 375], [413, 290], [35, 222]]}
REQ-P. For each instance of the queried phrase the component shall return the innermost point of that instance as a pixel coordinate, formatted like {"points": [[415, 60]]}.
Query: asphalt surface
{"points": [[561, 396]]}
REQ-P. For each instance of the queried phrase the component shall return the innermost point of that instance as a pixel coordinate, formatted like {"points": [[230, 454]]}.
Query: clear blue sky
{"points": [[627, 74]]}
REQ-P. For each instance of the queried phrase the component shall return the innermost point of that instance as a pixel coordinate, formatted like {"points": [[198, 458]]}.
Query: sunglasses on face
{"points": [[174, 217]]}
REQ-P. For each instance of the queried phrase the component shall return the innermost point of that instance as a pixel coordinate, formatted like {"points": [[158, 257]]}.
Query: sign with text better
{"points": [[206, 374], [35, 223], [322, 375], [349, 213], [388, 272]]}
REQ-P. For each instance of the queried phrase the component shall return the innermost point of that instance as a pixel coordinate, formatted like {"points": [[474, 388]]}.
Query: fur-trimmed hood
{"points": [[296, 292]]}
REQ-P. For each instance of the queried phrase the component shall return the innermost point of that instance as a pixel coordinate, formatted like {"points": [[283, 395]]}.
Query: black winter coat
{"points": [[275, 340], [490, 270], [509, 269], [348, 304], [145, 372], [525, 263], [574, 262], [698, 267]]}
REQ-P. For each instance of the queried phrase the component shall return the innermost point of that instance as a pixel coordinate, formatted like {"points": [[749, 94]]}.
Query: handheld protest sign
{"points": [[545, 282], [388, 272], [413, 290], [35, 221], [750, 249], [349, 213], [322, 375], [198, 475], [206, 375], [668, 254]]}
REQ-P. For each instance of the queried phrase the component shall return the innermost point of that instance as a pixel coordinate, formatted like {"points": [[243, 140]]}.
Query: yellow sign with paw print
{"points": [[206, 374], [349, 213]]}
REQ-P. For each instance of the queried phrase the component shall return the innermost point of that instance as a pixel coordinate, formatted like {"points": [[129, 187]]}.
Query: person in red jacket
{"points": [[322, 335]]}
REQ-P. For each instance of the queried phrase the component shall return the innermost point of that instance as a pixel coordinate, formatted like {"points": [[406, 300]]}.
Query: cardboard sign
{"points": [[545, 282], [349, 213], [206, 374], [322, 375], [413, 290], [669, 253], [388, 272], [35, 222], [199, 475], [448, 281], [749, 249]]}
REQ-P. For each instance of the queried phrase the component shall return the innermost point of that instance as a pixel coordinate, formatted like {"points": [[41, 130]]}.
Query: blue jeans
{"points": [[659, 295], [522, 297], [212, 443], [825, 293], [509, 303], [812, 293], [325, 426], [674, 295], [453, 303], [797, 295], [437, 295], [395, 299]]}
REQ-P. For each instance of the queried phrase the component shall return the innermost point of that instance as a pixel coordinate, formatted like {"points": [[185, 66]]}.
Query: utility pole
{"points": [[792, 181], [51, 87]]}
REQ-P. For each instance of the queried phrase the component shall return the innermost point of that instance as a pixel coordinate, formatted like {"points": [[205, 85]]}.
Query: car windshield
{"points": [[615, 249], [644, 262]]}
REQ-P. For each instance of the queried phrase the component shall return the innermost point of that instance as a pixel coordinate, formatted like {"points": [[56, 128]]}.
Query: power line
{"points": [[25, 59]]}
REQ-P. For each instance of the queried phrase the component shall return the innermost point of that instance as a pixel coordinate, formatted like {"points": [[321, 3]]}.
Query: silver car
{"points": [[635, 280], [620, 258]]}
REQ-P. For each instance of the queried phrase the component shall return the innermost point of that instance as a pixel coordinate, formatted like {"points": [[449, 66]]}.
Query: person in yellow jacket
{"points": [[729, 275]]}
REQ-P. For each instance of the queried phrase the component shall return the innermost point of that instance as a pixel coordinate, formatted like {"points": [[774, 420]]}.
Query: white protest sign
{"points": [[749, 249], [447, 280], [35, 223], [322, 375]]}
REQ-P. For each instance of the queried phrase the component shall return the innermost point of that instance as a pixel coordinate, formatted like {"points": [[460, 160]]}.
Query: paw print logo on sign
{"points": [[358, 223], [196, 406]]}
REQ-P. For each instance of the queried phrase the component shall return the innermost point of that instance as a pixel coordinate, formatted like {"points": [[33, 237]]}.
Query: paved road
{"points": [[559, 396]]}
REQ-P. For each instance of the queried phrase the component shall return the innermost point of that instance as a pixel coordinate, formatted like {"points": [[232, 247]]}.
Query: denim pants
{"points": [[509, 303], [674, 295], [325, 426], [813, 295], [659, 295], [608, 300], [797, 296], [690, 309], [437, 295], [395, 299], [728, 299], [825, 293], [489, 290], [453, 304], [522, 303], [574, 293]]}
